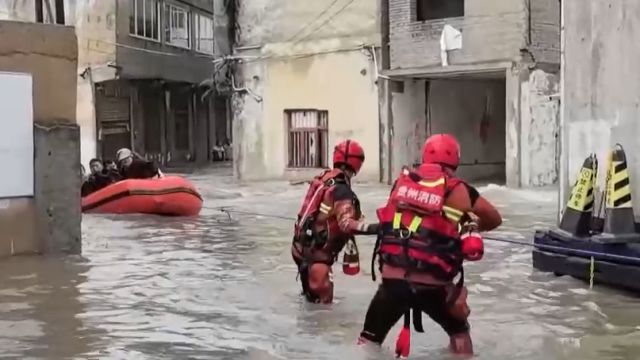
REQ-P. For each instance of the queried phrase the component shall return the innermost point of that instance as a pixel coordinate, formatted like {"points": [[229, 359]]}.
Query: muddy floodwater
{"points": [[210, 287]]}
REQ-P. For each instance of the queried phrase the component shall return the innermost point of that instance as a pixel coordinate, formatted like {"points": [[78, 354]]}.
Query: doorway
{"points": [[113, 115], [473, 109]]}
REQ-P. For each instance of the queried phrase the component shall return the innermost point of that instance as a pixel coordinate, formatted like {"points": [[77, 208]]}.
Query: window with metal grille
{"points": [[307, 138], [144, 19]]}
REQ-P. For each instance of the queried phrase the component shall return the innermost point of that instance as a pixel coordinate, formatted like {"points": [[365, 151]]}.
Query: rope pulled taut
{"points": [[586, 253]]}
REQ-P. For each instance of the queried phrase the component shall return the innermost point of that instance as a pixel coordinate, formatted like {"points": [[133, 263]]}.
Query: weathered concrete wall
{"points": [[49, 54], [57, 187], [386, 121], [283, 21], [601, 92], [95, 24], [514, 77], [144, 59], [298, 59], [474, 112], [492, 31], [508, 128], [46, 52], [540, 115], [303, 84], [248, 120], [409, 124]]}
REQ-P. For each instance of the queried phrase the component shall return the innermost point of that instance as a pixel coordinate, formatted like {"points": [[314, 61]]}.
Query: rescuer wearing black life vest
{"points": [[429, 225], [330, 216]]}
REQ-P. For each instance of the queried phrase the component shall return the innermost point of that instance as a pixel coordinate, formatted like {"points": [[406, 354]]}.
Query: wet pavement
{"points": [[149, 287]]}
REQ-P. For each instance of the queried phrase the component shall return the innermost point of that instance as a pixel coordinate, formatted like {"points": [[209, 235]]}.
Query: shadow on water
{"points": [[41, 308]]}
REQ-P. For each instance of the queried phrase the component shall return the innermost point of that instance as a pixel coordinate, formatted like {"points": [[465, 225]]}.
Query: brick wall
{"points": [[545, 31], [493, 30]]}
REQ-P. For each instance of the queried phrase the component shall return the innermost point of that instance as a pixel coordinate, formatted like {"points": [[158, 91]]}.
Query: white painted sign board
{"points": [[16, 135]]}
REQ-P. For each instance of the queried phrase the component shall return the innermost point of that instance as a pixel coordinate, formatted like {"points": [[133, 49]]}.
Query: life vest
{"points": [[312, 205], [418, 232]]}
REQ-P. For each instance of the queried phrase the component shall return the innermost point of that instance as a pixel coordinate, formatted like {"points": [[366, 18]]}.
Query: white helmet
{"points": [[122, 154]]}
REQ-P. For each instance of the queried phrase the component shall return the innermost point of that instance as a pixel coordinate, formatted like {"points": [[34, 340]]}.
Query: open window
{"points": [[439, 9]]}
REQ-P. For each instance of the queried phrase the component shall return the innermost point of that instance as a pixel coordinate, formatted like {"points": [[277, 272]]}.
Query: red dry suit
{"points": [[329, 217]]}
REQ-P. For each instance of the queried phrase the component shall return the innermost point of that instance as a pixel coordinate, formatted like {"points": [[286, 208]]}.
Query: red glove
{"points": [[472, 246]]}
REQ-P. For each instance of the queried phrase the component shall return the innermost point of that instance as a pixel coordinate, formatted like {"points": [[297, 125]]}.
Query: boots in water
{"points": [[461, 344]]}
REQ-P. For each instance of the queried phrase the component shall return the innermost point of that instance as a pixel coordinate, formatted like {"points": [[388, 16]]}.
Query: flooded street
{"points": [[149, 287]]}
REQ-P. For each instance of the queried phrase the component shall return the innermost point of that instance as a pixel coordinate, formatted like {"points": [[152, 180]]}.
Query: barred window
{"points": [[307, 138]]}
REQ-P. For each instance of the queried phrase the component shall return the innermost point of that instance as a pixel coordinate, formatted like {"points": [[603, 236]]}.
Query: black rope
{"points": [[490, 238], [563, 248]]}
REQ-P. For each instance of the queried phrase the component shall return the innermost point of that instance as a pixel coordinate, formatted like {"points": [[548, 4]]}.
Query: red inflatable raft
{"points": [[170, 195]]}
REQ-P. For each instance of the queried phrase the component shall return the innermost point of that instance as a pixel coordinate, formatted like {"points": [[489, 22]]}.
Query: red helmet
{"points": [[441, 149], [349, 153]]}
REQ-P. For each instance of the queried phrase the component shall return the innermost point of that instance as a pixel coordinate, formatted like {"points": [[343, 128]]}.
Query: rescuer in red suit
{"points": [[428, 227], [329, 218]]}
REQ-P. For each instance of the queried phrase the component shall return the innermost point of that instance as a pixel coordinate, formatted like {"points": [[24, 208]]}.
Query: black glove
{"points": [[369, 229]]}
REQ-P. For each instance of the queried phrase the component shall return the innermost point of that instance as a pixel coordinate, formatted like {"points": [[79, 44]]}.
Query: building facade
{"points": [[146, 79], [305, 78], [486, 71], [147, 76]]}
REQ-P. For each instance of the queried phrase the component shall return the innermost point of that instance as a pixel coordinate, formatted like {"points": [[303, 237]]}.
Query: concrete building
{"points": [[305, 79], [497, 90], [601, 88], [146, 74], [145, 70], [41, 213]]}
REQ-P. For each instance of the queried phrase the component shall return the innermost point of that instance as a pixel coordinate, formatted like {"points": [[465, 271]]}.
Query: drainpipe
{"points": [[87, 74], [563, 173], [386, 63]]}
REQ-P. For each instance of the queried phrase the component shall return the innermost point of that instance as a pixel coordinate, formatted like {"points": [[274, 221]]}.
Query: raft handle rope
{"points": [[591, 254]]}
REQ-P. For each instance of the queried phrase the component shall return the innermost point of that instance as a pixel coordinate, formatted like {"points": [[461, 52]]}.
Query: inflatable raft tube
{"points": [[612, 270], [170, 195]]}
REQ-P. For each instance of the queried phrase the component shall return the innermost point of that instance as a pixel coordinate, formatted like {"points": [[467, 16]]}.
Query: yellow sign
{"points": [[582, 193]]}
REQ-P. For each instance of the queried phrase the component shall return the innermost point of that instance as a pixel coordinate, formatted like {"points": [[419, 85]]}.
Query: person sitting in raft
{"points": [[110, 165], [99, 178], [218, 152], [421, 248], [134, 167]]}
